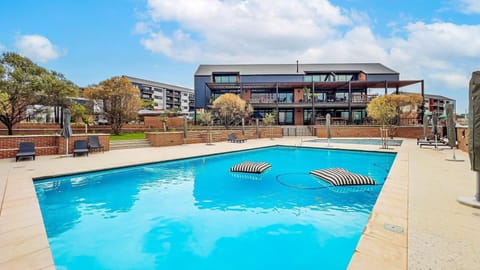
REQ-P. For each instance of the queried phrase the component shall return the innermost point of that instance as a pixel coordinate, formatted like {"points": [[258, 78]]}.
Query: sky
{"points": [[165, 40]]}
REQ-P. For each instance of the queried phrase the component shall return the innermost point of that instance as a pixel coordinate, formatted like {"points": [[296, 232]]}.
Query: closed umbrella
{"points": [[474, 137], [425, 125], [327, 122], [66, 130], [451, 133], [435, 128]]}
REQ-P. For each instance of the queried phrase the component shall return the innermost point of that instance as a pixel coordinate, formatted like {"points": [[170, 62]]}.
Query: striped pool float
{"points": [[250, 167], [342, 177]]}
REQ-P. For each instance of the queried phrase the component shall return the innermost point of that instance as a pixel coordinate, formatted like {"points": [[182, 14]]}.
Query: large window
{"points": [[344, 77], [285, 98], [225, 78], [285, 117], [262, 97], [329, 77], [317, 78], [341, 97]]}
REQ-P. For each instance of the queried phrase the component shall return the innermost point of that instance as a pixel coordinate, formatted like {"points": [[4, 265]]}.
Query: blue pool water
{"points": [[196, 214], [359, 141]]}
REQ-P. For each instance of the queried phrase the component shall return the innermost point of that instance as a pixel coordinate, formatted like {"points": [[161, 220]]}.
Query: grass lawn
{"points": [[127, 136]]}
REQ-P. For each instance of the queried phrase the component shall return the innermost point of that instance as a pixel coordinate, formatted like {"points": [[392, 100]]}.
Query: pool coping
{"points": [[25, 244]]}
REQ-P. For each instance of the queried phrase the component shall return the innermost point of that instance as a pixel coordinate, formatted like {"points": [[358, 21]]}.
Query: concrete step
{"points": [[128, 144]]}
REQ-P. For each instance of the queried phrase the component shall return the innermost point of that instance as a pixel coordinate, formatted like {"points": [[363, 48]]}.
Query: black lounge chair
{"points": [[80, 147], [233, 138], [94, 143], [433, 143], [25, 149]]}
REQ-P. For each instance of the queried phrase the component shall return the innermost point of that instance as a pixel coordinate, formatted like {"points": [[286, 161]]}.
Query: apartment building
{"points": [[166, 96], [301, 94], [437, 103]]}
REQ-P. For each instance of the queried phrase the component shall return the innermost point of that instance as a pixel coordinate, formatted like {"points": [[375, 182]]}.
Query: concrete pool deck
{"points": [[419, 197]]}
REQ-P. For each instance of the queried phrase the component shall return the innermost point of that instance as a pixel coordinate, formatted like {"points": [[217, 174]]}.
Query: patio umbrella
{"points": [[425, 125], [185, 127], [474, 137], [435, 127], [66, 130], [452, 135], [327, 122]]}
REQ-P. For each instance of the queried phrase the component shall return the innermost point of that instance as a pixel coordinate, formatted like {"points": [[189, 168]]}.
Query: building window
{"points": [[330, 77], [285, 117], [344, 77], [225, 78], [317, 78]]}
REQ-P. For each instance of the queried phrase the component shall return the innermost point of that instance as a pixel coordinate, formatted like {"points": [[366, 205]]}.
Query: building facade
{"points": [[437, 104], [300, 94], [166, 96]]}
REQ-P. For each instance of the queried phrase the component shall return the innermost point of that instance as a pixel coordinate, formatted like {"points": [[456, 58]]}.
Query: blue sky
{"points": [[164, 40]]}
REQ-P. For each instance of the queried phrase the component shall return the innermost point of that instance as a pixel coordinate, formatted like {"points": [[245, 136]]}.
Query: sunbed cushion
{"points": [[342, 177], [250, 167]]}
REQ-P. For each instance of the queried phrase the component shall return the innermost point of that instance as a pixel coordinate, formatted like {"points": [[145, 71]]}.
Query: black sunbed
{"points": [[25, 149], [94, 143], [80, 147]]}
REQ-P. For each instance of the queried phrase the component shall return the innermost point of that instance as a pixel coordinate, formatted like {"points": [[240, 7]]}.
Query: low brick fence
{"points": [[206, 136], [374, 131], [367, 131], [46, 144]]}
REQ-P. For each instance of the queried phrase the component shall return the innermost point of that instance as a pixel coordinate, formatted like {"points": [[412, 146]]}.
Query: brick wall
{"points": [[31, 129], [462, 138], [369, 131], [44, 144], [164, 138], [298, 95], [104, 140], [298, 116], [245, 95], [203, 136]]}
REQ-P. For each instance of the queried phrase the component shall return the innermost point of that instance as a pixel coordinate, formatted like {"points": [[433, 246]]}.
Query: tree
{"points": [[80, 112], [206, 118], [230, 109], [149, 104], [270, 120], [3, 102], [57, 91], [164, 118], [120, 100], [22, 83], [383, 109]]}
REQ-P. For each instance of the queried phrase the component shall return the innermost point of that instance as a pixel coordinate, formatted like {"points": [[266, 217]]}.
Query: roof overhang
{"points": [[317, 85]]}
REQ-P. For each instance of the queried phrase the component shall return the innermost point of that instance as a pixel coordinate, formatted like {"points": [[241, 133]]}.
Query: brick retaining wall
{"points": [[45, 144]]}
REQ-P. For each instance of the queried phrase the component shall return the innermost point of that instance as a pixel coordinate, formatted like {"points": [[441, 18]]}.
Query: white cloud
{"points": [[470, 6], [37, 48], [212, 31], [243, 30], [2, 47]]}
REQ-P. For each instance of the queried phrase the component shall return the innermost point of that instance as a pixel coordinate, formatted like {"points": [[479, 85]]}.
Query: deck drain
{"points": [[393, 228]]}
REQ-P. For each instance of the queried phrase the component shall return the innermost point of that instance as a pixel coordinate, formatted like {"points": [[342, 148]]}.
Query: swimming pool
{"points": [[390, 142], [195, 214]]}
